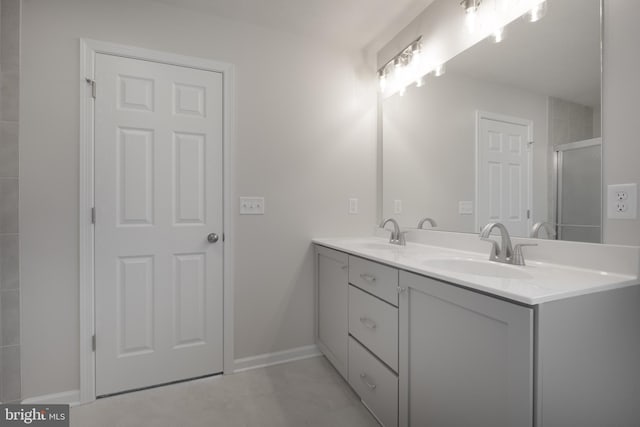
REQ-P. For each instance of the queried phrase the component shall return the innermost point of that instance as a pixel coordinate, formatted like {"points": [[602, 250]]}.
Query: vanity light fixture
{"points": [[409, 66], [403, 69]]}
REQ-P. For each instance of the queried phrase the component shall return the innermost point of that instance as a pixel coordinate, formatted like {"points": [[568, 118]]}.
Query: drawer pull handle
{"points": [[368, 322], [368, 278], [364, 380]]}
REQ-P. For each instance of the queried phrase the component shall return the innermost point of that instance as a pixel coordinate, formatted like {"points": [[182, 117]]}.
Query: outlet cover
{"points": [[251, 205], [622, 201]]}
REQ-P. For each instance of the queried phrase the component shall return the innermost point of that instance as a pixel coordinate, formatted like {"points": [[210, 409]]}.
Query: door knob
{"points": [[212, 237]]}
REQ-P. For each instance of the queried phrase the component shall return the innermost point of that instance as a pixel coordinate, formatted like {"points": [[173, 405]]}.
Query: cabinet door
{"points": [[332, 299], [466, 359]]}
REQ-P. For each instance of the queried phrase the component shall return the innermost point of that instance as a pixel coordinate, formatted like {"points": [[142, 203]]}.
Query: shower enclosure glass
{"points": [[579, 189]]}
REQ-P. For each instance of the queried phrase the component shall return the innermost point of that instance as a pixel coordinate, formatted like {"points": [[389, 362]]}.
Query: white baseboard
{"points": [[269, 359], [71, 397]]}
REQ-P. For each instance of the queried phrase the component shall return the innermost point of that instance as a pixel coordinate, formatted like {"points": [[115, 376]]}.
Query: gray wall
{"points": [[305, 140], [620, 97], [9, 252]]}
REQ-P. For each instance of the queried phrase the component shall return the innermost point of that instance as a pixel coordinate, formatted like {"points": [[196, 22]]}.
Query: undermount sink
{"points": [[479, 268]]}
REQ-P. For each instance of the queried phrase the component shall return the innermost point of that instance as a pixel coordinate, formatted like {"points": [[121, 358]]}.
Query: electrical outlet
{"points": [[353, 206], [622, 195], [621, 207], [622, 201]]}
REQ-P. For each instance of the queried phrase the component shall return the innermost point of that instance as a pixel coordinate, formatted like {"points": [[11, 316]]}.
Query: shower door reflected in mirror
{"points": [[578, 172], [546, 73]]}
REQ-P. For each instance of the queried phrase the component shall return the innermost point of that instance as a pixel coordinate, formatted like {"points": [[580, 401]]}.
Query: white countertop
{"points": [[533, 284]]}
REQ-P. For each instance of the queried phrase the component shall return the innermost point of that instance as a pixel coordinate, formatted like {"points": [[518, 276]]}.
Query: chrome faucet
{"points": [[431, 222], [548, 228], [505, 253], [397, 237]]}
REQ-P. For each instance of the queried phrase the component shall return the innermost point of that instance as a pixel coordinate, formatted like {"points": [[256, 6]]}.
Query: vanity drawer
{"points": [[375, 324], [378, 279], [376, 385]]}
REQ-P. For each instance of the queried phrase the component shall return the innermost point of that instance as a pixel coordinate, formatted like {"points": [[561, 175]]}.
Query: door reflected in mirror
{"points": [[510, 133]]}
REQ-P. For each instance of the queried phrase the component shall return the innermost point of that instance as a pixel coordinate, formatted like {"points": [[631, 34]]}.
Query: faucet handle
{"points": [[493, 254], [402, 238], [518, 257]]}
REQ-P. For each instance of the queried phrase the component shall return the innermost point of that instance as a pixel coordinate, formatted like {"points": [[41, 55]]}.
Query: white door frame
{"points": [[507, 119], [88, 50]]}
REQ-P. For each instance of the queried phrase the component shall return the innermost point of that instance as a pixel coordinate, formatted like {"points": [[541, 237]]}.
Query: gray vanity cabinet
{"points": [[332, 287], [465, 359]]}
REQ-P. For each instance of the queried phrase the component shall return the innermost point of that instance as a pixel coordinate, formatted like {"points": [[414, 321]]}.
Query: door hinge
{"points": [[93, 86], [528, 213], [93, 342], [223, 237], [93, 215]]}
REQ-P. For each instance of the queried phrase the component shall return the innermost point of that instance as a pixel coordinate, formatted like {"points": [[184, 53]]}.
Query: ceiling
{"points": [[352, 24]]}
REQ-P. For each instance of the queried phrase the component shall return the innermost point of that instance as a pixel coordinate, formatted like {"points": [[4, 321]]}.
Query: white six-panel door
{"points": [[503, 173], [158, 195]]}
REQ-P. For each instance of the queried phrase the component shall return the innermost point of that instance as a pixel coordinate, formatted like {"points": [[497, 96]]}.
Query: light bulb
{"points": [[538, 11], [383, 81], [420, 81], [498, 35], [415, 48], [470, 8], [470, 20], [402, 90], [439, 70]]}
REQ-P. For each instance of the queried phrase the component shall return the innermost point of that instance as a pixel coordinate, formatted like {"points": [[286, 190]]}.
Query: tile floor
{"points": [[302, 393]]}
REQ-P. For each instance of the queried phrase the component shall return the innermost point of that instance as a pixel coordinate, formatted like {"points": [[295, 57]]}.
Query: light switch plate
{"points": [[353, 206], [465, 208], [622, 201], [397, 206], [251, 205]]}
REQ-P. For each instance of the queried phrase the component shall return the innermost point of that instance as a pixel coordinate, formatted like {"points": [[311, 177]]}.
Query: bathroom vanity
{"points": [[429, 335]]}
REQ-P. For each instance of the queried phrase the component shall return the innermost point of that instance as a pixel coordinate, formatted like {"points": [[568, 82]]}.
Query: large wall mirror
{"points": [[510, 133]]}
